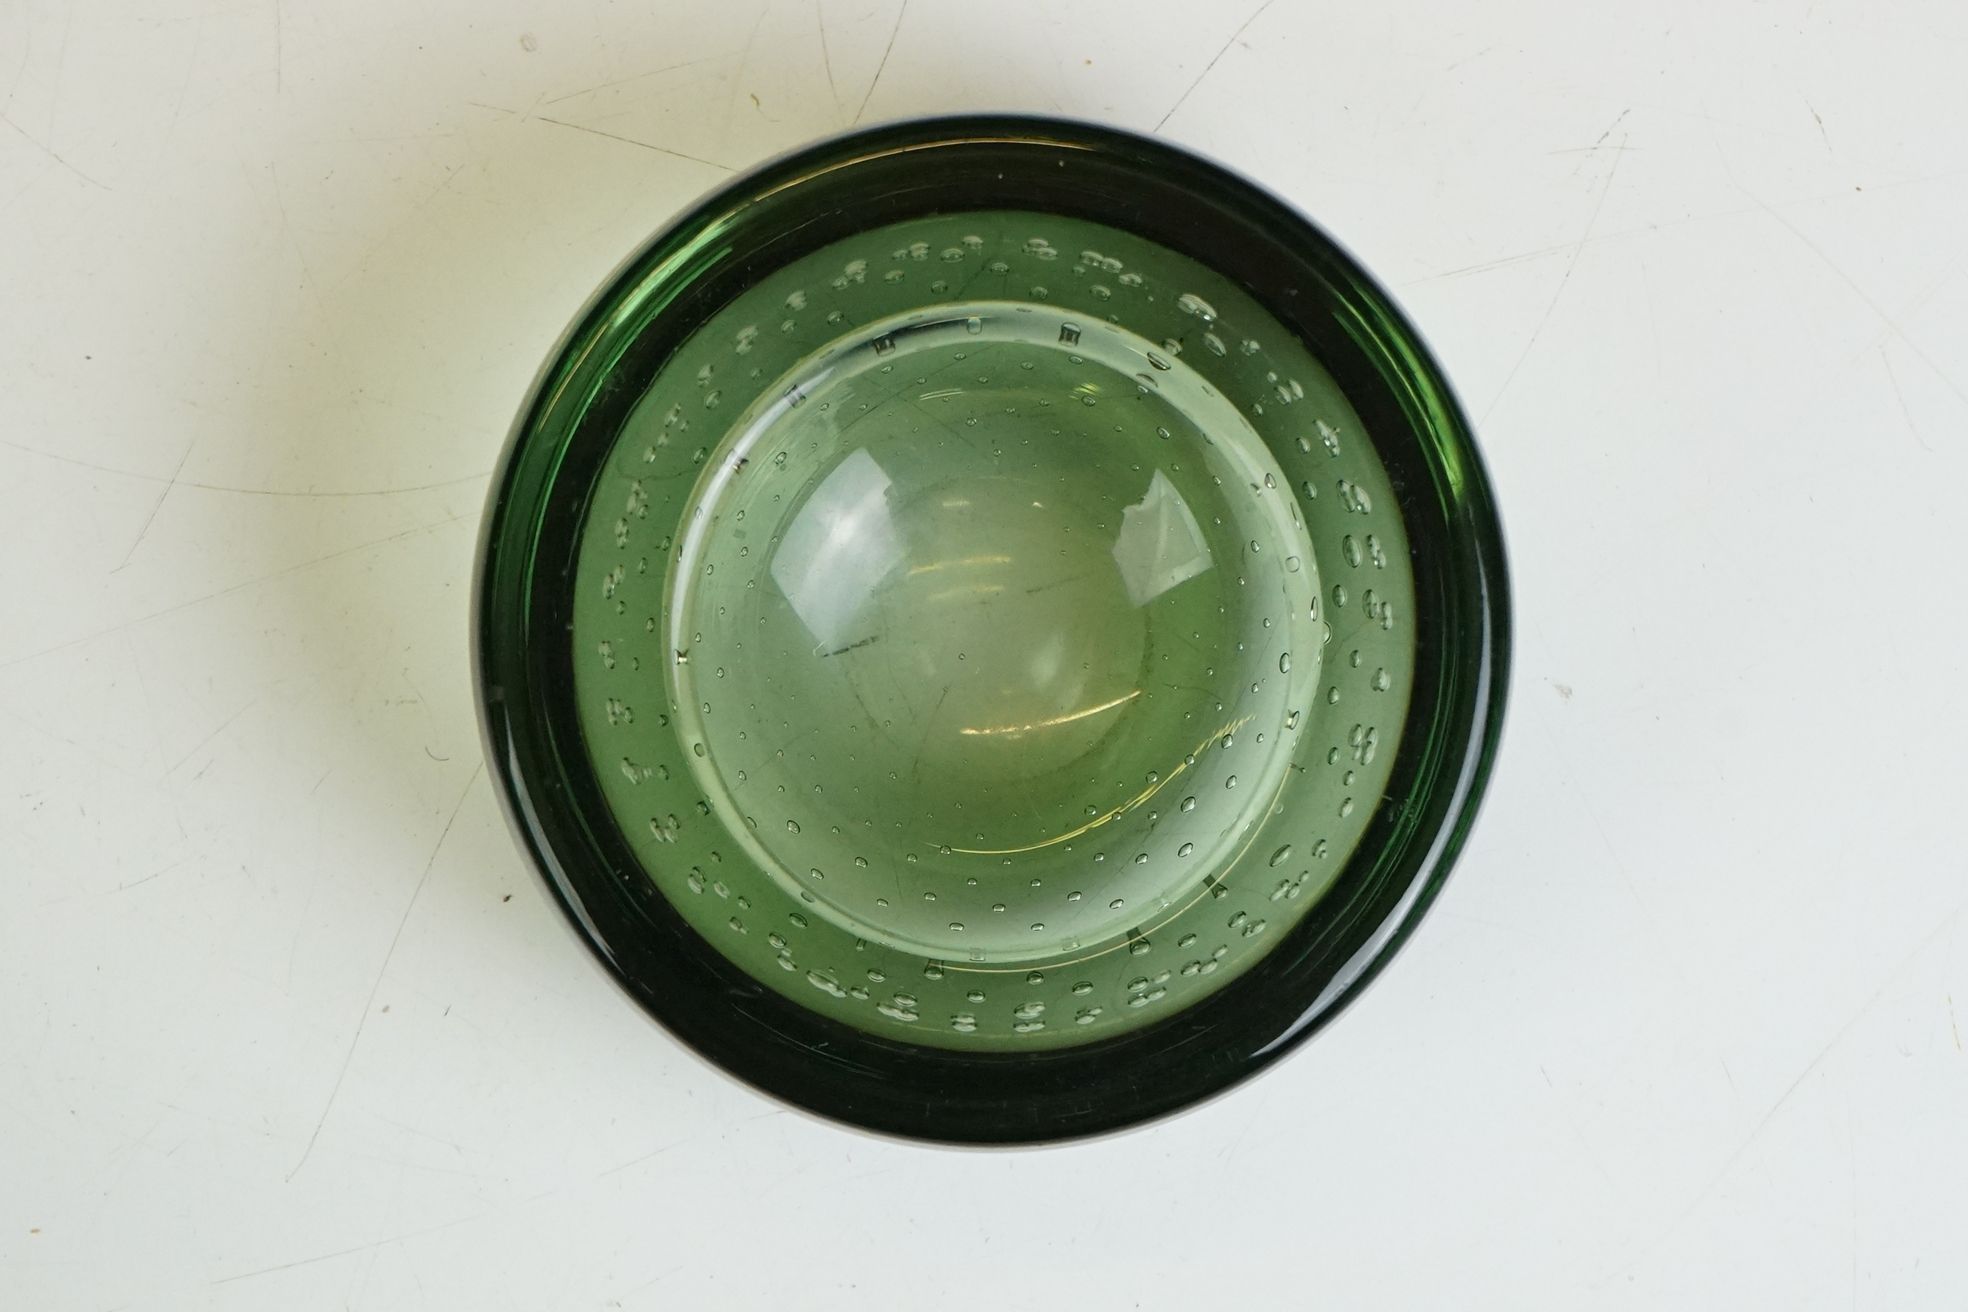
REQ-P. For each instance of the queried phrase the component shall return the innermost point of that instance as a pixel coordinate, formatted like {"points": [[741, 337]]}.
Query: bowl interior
{"points": [[986, 628]]}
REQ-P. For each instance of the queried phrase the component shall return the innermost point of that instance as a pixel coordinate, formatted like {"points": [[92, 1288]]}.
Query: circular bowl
{"points": [[992, 629]]}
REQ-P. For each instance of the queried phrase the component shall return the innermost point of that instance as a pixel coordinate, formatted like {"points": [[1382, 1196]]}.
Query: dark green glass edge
{"points": [[898, 1087]]}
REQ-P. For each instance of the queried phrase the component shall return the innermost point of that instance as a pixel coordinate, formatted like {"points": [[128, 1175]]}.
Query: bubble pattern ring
{"points": [[992, 629]]}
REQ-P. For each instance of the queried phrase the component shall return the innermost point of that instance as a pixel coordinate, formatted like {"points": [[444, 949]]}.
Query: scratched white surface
{"points": [[284, 1022]]}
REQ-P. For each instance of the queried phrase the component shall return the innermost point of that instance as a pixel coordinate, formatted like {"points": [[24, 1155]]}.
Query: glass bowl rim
{"points": [[871, 1081]]}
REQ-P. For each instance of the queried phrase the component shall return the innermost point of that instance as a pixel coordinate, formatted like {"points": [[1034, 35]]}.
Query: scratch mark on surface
{"points": [[1858, 291], [1852, 1180], [24, 449], [13, 85], [35, 142], [1906, 412], [375, 1243], [1578, 248], [638, 1161], [879, 68], [329, 496], [287, 229], [279, 47], [1821, 127], [1594, 150], [744, 64], [123, 888], [1940, 930], [1952, 1024], [1640, 230], [1229, 1151], [150, 718], [624, 81], [1183, 98], [1599, 143], [1936, 282], [929, 724], [184, 83], [1521, 257], [650, 1283], [852, 646], [226, 724], [407, 1128], [631, 141], [443, 185], [826, 59], [61, 67], [369, 1002], [162, 497], [226, 591]]}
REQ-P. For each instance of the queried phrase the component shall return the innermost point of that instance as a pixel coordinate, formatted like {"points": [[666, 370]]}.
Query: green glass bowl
{"points": [[993, 629]]}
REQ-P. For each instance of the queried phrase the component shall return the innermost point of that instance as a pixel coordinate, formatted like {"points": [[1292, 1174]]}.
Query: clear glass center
{"points": [[968, 608]]}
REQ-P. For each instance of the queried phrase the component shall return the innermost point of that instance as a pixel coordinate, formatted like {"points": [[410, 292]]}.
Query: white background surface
{"points": [[1683, 1031]]}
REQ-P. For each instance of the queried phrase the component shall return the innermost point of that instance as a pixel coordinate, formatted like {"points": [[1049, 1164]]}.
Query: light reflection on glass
{"points": [[839, 546], [1160, 543]]}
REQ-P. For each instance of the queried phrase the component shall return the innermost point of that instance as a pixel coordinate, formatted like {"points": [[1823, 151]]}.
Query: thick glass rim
{"points": [[673, 283]]}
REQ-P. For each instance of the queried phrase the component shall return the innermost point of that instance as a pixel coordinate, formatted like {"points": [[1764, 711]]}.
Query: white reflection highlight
{"points": [[838, 548], [999, 730], [1160, 543]]}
